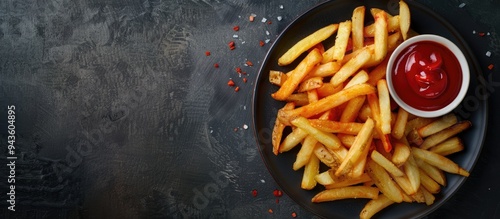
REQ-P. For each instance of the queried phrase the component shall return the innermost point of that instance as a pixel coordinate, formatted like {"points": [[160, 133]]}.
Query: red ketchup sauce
{"points": [[427, 76]]}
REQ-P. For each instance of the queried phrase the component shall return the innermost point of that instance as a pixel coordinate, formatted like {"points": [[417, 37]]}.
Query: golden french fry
{"points": [[352, 66], [435, 173], [401, 153], [352, 109], [404, 19], [328, 89], [429, 197], [445, 134], [324, 155], [374, 206], [337, 51], [292, 140], [305, 152], [326, 103], [299, 99], [277, 77], [324, 70], [378, 72], [375, 11], [358, 20], [278, 128], [310, 84], [380, 39], [356, 150], [392, 26], [442, 123], [419, 196], [398, 130], [359, 166], [351, 128], [306, 43], [340, 182], [373, 102], [310, 171], [346, 193], [347, 140], [412, 172], [404, 184], [301, 71], [312, 96], [439, 161], [414, 137], [416, 123], [324, 178], [383, 181], [393, 41], [360, 78], [327, 139], [365, 112], [386, 164], [450, 146], [428, 183], [384, 106]]}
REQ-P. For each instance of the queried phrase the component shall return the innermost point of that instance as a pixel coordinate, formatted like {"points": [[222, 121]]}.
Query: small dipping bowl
{"points": [[427, 75]]}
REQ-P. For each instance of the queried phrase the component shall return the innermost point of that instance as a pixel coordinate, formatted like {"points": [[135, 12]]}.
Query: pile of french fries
{"points": [[341, 116]]}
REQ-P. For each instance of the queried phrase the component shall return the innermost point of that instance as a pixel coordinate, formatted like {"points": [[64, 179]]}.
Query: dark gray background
{"points": [[120, 114]]}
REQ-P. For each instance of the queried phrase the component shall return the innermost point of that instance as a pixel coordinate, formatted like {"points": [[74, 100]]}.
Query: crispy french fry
{"points": [[346, 193], [416, 123], [380, 39], [337, 51], [310, 84], [373, 102], [359, 166], [378, 72], [429, 197], [327, 139], [306, 43], [411, 170], [326, 103], [404, 19], [393, 41], [442, 123], [352, 108], [439, 161], [428, 183], [360, 78], [324, 70], [277, 133], [347, 140], [360, 143], [340, 182], [401, 153], [384, 106], [445, 134], [312, 96], [398, 129], [435, 173], [386, 164], [383, 181], [352, 66], [277, 77], [301, 71], [292, 140], [328, 89], [329, 159], [414, 137], [358, 20], [305, 152], [392, 26], [324, 178], [404, 184], [374, 206], [450, 146], [419, 196], [351, 128], [310, 171]]}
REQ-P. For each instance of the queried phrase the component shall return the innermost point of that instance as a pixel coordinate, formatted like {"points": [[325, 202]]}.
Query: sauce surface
{"points": [[427, 76]]}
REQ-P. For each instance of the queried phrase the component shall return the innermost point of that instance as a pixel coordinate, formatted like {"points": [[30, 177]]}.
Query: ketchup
{"points": [[427, 76]]}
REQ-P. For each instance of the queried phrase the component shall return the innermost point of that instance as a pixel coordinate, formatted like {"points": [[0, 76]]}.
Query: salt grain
{"points": [[267, 33], [245, 126], [461, 5], [488, 53], [235, 36], [279, 18], [267, 41], [281, 6], [264, 20]]}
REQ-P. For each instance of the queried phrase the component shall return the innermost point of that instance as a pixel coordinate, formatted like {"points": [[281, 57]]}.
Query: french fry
{"points": [[346, 193], [404, 19], [352, 108], [326, 103], [450, 146], [445, 134], [416, 123], [347, 140], [384, 106], [312, 96], [374, 206], [373, 102], [411, 171], [393, 41], [442, 123], [435, 173], [419, 196], [429, 197], [305, 152], [277, 133], [383, 181], [378, 72], [310, 171], [401, 153], [292, 140], [414, 137], [327, 139], [324, 70], [386, 164], [359, 166], [277, 77], [337, 51], [301, 71], [310, 84], [360, 78], [439, 161], [392, 26], [351, 128], [398, 129], [404, 184], [340, 182], [380, 39], [356, 150], [358, 20], [352, 66], [328, 89], [428, 183], [329, 159], [306, 43]]}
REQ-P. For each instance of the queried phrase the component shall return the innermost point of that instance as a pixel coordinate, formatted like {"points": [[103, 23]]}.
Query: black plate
{"points": [[265, 109]]}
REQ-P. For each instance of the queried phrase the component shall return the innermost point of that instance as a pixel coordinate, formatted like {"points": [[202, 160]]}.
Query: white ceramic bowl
{"points": [[463, 65]]}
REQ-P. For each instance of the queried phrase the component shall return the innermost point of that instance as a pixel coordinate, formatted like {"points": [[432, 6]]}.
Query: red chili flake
{"points": [[270, 211], [277, 193], [251, 18], [269, 22], [238, 69], [236, 89], [254, 193], [482, 34], [249, 63], [231, 45], [230, 83], [235, 129], [277, 201], [490, 67], [216, 65], [261, 43], [207, 53], [236, 28], [294, 215], [245, 80]]}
